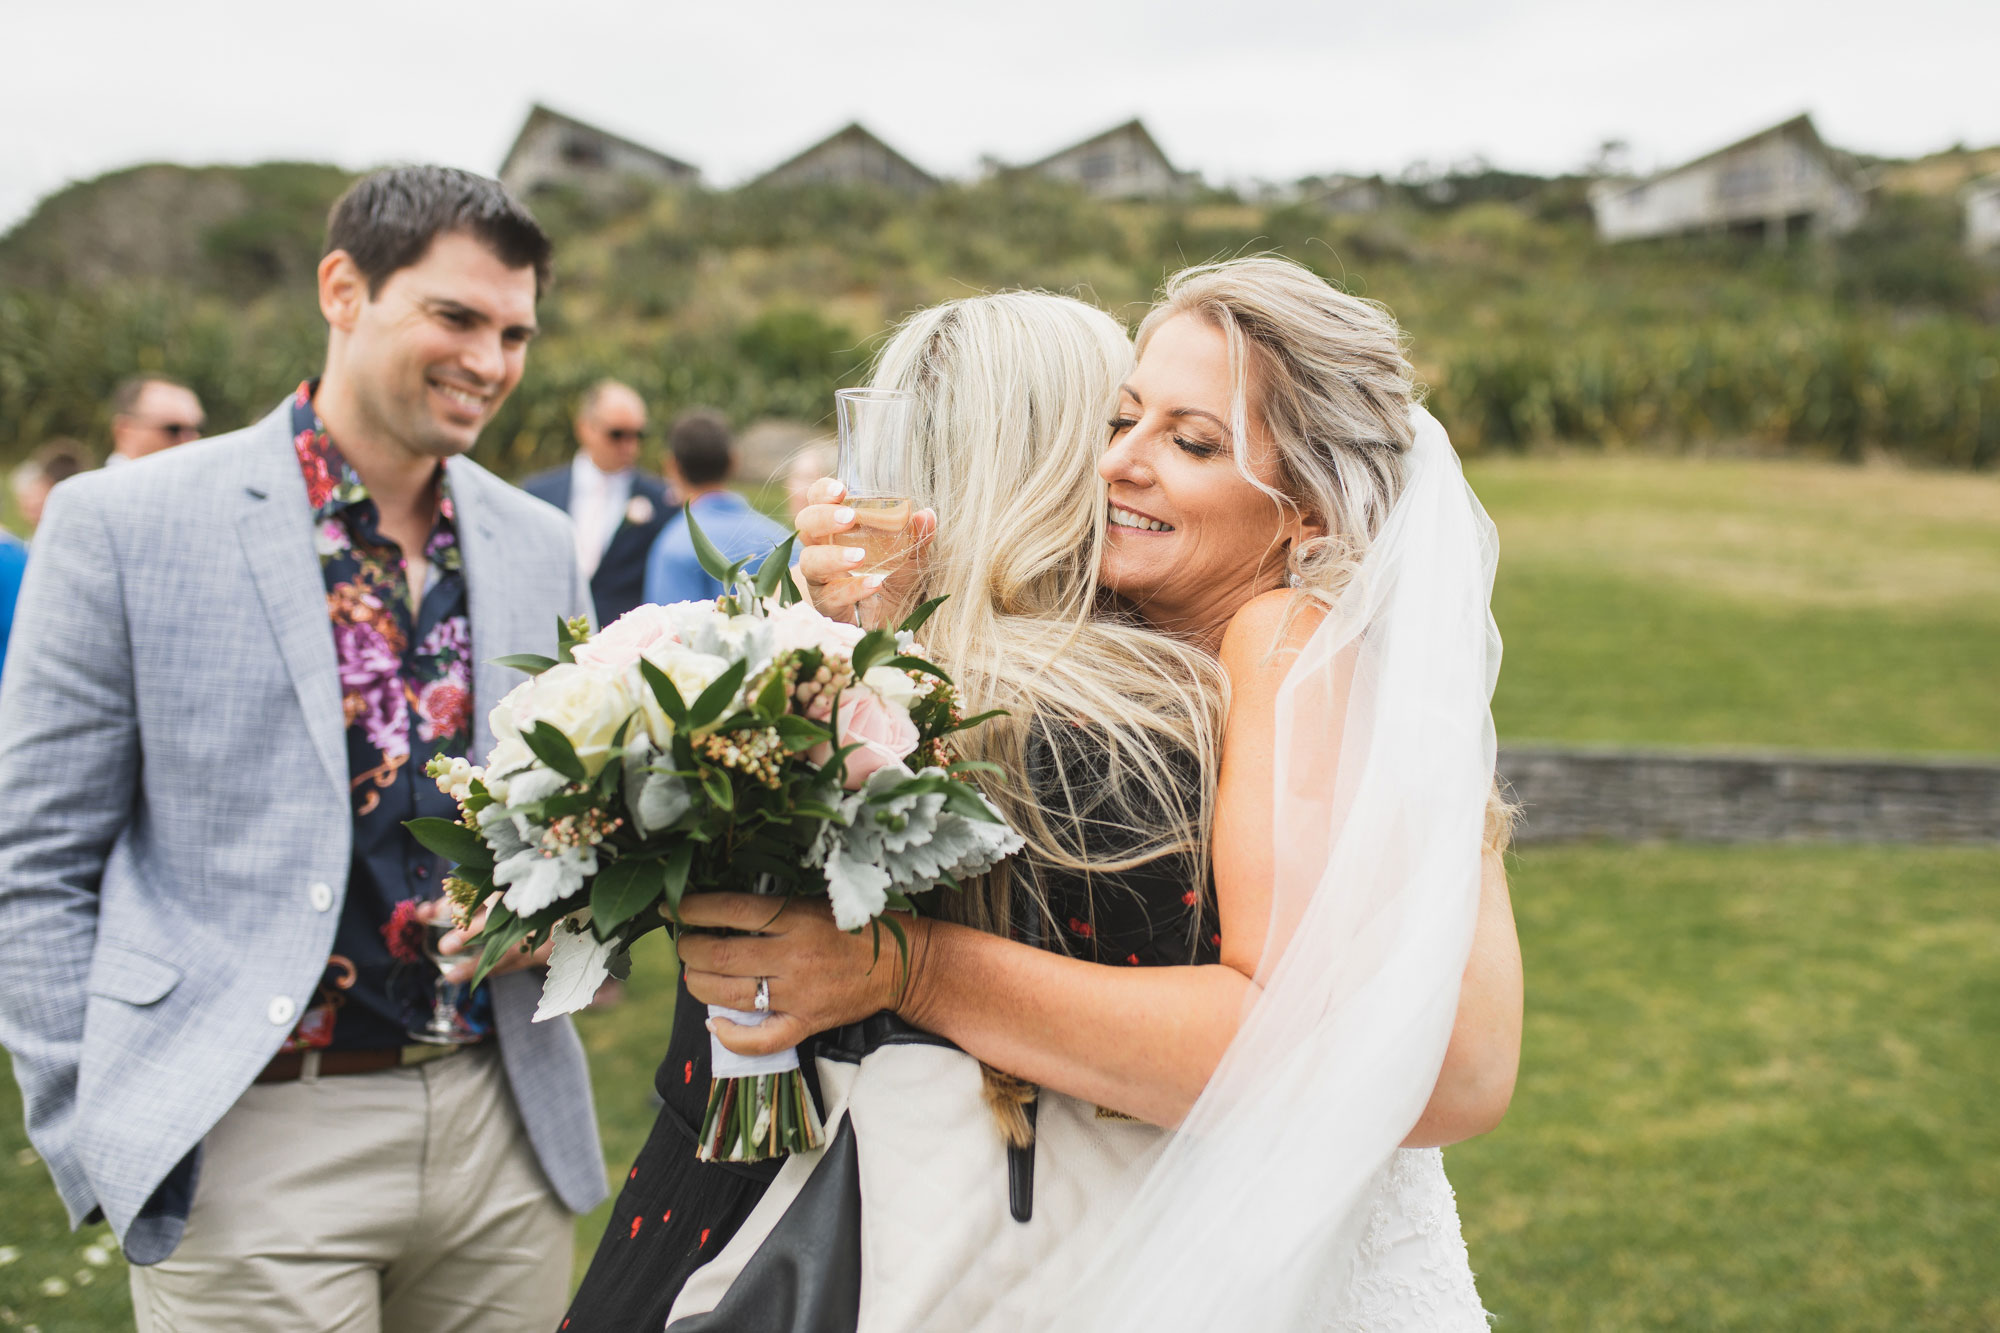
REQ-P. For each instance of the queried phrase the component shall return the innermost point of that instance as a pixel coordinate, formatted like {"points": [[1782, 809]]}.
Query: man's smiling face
{"points": [[432, 354]]}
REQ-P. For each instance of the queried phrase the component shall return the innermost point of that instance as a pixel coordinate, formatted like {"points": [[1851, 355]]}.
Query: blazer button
{"points": [[321, 896], [282, 1010]]}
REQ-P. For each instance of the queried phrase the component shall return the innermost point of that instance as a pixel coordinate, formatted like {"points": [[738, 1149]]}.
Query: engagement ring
{"points": [[763, 995]]}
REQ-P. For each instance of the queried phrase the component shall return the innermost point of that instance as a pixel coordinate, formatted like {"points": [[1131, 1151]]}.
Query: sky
{"points": [[1251, 89]]}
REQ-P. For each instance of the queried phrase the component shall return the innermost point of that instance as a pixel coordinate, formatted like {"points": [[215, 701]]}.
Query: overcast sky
{"points": [[1248, 88]]}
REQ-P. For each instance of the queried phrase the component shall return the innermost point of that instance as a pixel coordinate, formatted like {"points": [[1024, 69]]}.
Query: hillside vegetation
{"points": [[762, 301]]}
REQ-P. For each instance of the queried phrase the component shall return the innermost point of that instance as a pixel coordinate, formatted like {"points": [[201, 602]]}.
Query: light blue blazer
{"points": [[174, 769]]}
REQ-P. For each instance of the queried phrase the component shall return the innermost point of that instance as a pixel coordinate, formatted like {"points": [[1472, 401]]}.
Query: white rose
{"points": [[799, 626], [892, 685], [586, 707], [510, 714], [691, 673]]}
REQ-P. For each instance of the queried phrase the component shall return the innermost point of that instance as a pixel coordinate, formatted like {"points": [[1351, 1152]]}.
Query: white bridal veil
{"points": [[1385, 758]]}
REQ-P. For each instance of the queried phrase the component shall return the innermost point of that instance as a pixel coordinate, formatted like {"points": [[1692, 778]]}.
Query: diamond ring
{"points": [[763, 1002]]}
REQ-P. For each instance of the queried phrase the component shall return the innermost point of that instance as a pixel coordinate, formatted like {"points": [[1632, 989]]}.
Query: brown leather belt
{"points": [[287, 1066]]}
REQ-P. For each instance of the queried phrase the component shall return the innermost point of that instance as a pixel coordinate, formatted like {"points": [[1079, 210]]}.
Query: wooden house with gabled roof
{"points": [[1124, 162], [1778, 181], [553, 149], [851, 155]]}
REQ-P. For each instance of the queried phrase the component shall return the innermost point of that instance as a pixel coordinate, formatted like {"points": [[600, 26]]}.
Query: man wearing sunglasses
{"points": [[616, 507], [150, 413]]}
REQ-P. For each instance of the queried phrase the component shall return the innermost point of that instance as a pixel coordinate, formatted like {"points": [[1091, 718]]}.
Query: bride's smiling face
{"points": [[1189, 539]]}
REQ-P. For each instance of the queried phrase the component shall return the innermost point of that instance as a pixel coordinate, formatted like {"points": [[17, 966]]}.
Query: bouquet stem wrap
{"points": [[758, 1105]]}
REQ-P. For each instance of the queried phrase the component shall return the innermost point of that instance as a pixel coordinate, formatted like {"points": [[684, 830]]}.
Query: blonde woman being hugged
{"points": [[1268, 437]]}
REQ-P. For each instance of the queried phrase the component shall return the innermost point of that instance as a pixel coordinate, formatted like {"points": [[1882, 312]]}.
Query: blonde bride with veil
{"points": [[1273, 498]]}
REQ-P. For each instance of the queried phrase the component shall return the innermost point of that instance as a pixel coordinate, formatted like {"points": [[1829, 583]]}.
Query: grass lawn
{"points": [[1757, 1092], [1651, 600]]}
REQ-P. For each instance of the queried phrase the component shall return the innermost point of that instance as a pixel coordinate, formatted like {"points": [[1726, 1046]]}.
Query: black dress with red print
{"points": [[675, 1212]]}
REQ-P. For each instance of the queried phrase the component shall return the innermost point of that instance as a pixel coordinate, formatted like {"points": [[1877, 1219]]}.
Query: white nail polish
{"points": [[875, 580], [843, 515], [852, 554]]}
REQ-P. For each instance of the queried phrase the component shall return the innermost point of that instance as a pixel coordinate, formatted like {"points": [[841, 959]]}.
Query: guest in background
{"points": [[13, 563], [701, 457], [57, 461], [150, 413], [616, 508], [816, 460]]}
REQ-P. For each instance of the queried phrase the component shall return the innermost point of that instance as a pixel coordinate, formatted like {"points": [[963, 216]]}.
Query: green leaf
{"points": [[800, 733], [619, 891], [718, 696], [564, 641], [976, 766], [915, 620], [674, 883], [532, 663], [815, 810], [553, 748], [771, 700], [910, 662], [967, 724], [453, 841], [665, 691], [503, 931], [774, 566], [895, 928], [719, 789], [963, 800], [876, 647], [711, 560]]}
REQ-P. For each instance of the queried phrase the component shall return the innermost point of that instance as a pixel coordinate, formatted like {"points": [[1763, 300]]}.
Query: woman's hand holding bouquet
{"points": [[749, 745]]}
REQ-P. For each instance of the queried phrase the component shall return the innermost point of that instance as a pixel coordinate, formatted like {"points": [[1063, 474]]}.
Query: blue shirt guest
{"points": [[701, 457], [211, 915], [13, 563], [617, 509]]}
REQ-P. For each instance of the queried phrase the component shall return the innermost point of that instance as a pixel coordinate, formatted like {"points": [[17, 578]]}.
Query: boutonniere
{"points": [[640, 512]]}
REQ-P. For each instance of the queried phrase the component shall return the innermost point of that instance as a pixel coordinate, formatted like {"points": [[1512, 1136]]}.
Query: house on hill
{"points": [[1780, 181], [1982, 215], [853, 155], [554, 149], [1124, 162]]}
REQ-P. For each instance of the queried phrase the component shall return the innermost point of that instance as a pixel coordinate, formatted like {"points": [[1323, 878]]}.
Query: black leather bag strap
{"points": [[806, 1276]]}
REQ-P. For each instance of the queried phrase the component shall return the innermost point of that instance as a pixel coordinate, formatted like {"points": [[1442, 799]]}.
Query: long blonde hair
{"points": [[1014, 395], [1328, 379]]}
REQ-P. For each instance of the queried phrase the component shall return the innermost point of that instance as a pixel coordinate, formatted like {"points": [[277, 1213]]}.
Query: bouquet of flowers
{"points": [[746, 744]]}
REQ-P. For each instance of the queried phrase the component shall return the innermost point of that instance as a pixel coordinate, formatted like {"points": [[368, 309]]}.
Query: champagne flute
{"points": [[874, 467], [442, 1028]]}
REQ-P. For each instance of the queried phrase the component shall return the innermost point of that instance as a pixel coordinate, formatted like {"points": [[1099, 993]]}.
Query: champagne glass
{"points": [[874, 467], [442, 1028]]}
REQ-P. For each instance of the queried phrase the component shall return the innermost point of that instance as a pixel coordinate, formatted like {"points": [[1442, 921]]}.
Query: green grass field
{"points": [[1652, 600], [1757, 1090]]}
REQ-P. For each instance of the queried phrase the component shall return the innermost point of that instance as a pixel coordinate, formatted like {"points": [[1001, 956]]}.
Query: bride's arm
{"points": [[1139, 1040]]}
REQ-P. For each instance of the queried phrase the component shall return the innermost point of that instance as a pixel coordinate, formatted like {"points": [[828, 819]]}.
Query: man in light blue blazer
{"points": [[234, 663]]}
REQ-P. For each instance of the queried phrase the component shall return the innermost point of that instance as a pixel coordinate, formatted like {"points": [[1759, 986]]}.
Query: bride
{"points": [[1273, 496]]}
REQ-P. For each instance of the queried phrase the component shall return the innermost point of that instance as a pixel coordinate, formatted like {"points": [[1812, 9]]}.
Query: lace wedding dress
{"points": [[1412, 1273]]}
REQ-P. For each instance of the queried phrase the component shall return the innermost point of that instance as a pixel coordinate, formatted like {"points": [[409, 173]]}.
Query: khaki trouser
{"points": [[402, 1201]]}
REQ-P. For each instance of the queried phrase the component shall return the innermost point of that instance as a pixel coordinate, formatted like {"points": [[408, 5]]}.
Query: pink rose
{"points": [[625, 640], [885, 732]]}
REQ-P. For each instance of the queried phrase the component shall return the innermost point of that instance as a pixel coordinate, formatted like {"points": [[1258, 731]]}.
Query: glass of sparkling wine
{"points": [[442, 1028], [874, 462]]}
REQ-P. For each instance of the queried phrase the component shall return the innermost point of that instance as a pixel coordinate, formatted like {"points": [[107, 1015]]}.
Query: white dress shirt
{"points": [[597, 503]]}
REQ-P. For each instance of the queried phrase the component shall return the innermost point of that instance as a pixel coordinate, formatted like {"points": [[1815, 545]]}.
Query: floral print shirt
{"points": [[405, 658]]}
